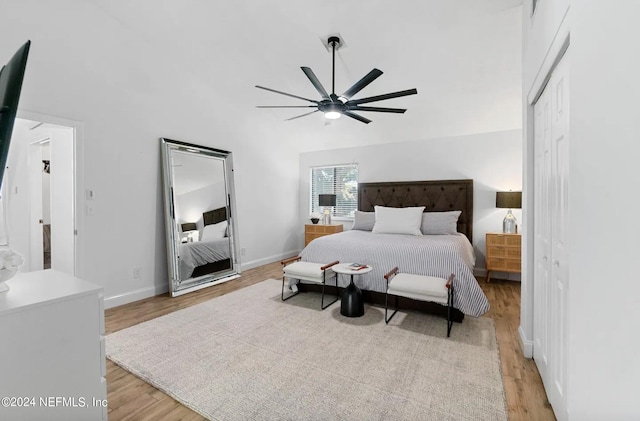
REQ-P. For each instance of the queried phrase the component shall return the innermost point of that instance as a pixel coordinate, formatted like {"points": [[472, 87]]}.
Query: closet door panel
{"points": [[551, 213]]}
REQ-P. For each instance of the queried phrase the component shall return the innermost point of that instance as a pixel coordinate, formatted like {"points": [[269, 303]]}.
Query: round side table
{"points": [[352, 304]]}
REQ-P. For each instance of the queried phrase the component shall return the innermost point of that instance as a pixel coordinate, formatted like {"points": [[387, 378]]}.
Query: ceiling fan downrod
{"points": [[333, 41]]}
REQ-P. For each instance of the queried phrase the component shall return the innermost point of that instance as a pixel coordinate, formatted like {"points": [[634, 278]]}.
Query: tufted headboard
{"points": [[435, 196], [214, 216]]}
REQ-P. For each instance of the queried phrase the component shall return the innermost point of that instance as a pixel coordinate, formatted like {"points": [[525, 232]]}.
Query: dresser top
{"points": [[42, 287]]}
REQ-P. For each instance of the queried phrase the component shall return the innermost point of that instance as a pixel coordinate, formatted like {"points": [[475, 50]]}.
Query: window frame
{"points": [[335, 190]]}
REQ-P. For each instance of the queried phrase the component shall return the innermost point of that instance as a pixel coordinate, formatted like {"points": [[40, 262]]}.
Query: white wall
{"points": [[604, 156], [492, 160], [87, 67], [603, 367]]}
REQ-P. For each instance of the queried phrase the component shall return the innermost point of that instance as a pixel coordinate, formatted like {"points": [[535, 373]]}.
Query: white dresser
{"points": [[52, 360]]}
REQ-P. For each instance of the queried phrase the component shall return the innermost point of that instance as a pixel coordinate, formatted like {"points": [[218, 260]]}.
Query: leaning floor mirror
{"points": [[200, 218]]}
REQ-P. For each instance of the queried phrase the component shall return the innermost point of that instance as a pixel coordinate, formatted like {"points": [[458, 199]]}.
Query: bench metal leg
{"points": [[282, 294], [324, 281], [386, 306], [449, 307]]}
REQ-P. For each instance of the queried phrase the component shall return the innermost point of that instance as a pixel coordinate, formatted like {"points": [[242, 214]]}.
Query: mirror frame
{"points": [[168, 146]]}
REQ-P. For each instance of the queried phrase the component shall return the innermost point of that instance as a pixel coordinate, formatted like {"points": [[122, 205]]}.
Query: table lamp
{"points": [[328, 201], [187, 228], [509, 200]]}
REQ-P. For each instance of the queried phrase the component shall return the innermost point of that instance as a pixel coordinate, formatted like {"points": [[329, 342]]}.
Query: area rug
{"points": [[249, 356]]}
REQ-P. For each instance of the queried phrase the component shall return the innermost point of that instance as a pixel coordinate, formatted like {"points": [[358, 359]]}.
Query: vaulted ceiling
{"points": [[463, 56]]}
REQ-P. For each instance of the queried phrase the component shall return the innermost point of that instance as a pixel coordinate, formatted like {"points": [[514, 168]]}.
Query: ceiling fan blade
{"points": [[286, 106], [379, 109], [302, 115], [284, 93], [359, 85], [356, 116], [316, 83], [382, 97]]}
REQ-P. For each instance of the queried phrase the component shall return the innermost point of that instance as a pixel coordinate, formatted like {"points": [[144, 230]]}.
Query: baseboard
{"points": [[270, 259], [136, 295], [480, 272], [503, 276], [142, 293], [527, 345]]}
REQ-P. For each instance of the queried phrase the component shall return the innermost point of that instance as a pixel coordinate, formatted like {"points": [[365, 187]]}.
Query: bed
{"points": [[434, 255], [200, 258]]}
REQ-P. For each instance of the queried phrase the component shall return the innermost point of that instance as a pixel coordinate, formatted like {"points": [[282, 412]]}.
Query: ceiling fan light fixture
{"points": [[332, 115], [332, 111]]}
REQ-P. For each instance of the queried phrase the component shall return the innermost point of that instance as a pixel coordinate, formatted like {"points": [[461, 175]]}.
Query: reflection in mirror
{"points": [[200, 216]]}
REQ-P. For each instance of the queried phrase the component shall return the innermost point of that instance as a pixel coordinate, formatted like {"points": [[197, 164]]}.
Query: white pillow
{"points": [[437, 223], [398, 220], [214, 231], [363, 221]]}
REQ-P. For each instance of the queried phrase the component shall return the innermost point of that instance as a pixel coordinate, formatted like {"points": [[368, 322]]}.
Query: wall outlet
{"points": [[243, 251], [91, 209], [90, 194], [136, 272]]}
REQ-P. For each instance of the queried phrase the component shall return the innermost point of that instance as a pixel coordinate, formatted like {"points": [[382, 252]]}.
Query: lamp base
{"points": [[510, 224], [326, 217]]}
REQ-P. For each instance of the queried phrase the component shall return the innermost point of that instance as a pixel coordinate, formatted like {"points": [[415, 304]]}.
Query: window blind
{"points": [[341, 180]]}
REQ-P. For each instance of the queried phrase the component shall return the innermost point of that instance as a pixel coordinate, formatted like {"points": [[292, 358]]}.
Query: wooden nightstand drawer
{"points": [[503, 253], [499, 251], [313, 231], [504, 265], [322, 229], [512, 240]]}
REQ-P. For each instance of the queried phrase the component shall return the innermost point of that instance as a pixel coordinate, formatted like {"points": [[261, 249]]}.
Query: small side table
{"points": [[352, 304]]}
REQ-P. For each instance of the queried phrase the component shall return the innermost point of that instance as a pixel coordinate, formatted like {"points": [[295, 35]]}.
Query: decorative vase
{"points": [[5, 275], [315, 220]]}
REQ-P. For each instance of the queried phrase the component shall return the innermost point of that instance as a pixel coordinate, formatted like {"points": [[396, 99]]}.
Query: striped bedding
{"points": [[433, 255]]}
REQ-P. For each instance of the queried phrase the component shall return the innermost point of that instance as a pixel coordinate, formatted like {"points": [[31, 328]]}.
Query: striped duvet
{"points": [[433, 255]]}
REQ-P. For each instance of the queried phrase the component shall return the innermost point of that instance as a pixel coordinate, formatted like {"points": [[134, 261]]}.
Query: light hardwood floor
{"points": [[133, 399]]}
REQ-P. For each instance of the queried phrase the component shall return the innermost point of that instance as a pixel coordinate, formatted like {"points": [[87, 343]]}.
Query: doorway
{"points": [[41, 195]]}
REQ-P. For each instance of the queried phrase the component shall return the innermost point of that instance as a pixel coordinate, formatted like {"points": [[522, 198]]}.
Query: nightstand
{"points": [[313, 231], [503, 253]]}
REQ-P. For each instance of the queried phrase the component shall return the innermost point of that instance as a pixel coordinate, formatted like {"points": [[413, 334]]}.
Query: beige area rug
{"points": [[248, 356]]}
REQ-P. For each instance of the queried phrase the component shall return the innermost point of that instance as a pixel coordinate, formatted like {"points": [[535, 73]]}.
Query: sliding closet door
{"points": [[551, 151], [542, 230]]}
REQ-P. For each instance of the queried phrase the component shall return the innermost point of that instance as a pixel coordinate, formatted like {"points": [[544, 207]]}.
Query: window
{"points": [[341, 180]]}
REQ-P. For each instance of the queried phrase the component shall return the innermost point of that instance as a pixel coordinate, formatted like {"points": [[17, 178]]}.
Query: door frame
{"points": [[555, 53], [34, 170], [78, 188]]}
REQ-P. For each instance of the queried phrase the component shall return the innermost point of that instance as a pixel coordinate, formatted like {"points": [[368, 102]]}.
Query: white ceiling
{"points": [[463, 56]]}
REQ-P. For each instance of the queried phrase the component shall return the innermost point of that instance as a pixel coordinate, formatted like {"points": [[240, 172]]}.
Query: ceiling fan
{"points": [[332, 105]]}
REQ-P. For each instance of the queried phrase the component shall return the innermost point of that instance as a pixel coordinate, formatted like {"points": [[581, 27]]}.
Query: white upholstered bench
{"points": [[419, 287], [311, 272]]}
